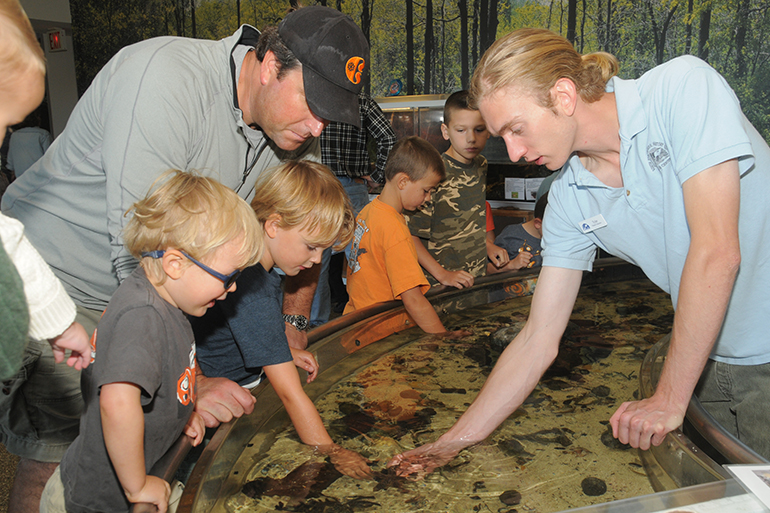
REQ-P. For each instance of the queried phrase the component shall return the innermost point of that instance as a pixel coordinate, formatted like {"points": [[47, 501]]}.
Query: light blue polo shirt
{"points": [[677, 120]]}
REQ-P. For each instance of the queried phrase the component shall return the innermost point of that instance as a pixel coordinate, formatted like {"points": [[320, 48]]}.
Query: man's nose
{"points": [[316, 125]]}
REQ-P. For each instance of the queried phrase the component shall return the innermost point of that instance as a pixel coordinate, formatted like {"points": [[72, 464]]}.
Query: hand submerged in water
{"points": [[421, 461], [347, 462]]}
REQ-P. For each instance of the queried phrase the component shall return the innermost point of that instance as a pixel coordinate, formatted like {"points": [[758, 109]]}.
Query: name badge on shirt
{"points": [[592, 223]]}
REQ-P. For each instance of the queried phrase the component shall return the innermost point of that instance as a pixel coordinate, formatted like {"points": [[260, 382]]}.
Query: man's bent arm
{"points": [[712, 199]]}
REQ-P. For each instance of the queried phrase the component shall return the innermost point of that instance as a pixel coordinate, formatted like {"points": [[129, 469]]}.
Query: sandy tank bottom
{"points": [[555, 452]]}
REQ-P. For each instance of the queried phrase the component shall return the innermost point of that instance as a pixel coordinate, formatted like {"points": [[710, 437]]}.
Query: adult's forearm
{"points": [[524, 361], [706, 286], [299, 290]]}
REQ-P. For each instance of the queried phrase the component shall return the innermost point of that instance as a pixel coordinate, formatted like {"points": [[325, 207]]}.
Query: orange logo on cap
{"points": [[354, 69]]}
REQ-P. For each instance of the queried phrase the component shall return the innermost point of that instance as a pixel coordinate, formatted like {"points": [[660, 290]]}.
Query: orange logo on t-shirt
{"points": [[185, 387], [354, 69]]}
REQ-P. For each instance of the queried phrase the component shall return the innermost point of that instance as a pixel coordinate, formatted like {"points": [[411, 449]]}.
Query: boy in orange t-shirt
{"points": [[383, 265]]}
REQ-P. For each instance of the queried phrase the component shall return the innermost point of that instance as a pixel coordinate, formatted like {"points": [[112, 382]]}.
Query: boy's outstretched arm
{"points": [[123, 428], [424, 315], [306, 361], [459, 279], [308, 423]]}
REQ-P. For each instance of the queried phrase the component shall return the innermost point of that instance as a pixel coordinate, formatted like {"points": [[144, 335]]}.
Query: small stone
{"points": [[593, 486], [510, 497], [613, 443]]}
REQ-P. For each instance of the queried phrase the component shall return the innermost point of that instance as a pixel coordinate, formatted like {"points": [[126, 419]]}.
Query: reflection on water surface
{"points": [[554, 453]]}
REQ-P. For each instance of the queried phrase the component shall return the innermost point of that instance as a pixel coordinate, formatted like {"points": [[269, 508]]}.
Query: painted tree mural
{"points": [[432, 46]]}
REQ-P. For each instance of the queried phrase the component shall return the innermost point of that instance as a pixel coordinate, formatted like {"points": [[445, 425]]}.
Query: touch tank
{"points": [[395, 389]]}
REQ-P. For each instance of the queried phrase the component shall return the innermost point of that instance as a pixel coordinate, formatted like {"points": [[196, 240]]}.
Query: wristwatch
{"points": [[298, 321]]}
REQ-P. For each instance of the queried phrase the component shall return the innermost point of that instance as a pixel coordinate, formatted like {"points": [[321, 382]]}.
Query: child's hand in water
{"points": [[455, 335], [347, 462], [305, 360]]}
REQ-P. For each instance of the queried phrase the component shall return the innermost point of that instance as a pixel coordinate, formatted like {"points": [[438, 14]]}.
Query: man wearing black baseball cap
{"points": [[307, 71], [228, 109]]}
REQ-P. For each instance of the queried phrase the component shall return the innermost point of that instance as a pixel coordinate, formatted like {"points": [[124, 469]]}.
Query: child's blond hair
{"points": [[306, 194], [193, 214], [21, 51]]}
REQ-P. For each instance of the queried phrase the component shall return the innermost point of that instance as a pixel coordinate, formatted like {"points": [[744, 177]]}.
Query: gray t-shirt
{"points": [[144, 340]]}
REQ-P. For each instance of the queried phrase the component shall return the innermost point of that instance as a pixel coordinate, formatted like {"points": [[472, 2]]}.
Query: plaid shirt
{"points": [[343, 146]]}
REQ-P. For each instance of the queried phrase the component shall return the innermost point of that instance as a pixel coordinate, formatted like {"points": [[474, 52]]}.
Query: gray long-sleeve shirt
{"points": [[165, 103]]}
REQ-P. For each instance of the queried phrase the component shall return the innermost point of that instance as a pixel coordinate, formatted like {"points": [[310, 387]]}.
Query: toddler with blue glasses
{"points": [[194, 236]]}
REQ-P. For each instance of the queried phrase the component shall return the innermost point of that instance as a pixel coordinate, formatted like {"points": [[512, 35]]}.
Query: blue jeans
{"points": [[321, 309]]}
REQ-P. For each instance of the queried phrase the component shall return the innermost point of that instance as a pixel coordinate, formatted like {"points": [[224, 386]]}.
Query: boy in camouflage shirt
{"points": [[449, 231]]}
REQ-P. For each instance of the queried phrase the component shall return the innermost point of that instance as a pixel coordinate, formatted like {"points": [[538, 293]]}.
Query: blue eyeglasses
{"points": [[227, 279]]}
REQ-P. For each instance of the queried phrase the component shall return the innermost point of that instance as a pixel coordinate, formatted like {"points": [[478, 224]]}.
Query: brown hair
{"points": [[269, 39], [307, 194], [194, 214], [459, 100], [415, 157], [533, 60]]}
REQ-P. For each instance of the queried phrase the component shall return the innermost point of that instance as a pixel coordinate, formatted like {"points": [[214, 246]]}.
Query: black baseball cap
{"points": [[335, 60]]}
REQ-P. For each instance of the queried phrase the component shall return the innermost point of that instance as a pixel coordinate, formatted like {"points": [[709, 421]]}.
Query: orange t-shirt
{"points": [[490, 221], [383, 261]]}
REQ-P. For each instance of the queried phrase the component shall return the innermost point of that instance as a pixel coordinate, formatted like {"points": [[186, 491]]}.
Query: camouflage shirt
{"points": [[452, 224]]}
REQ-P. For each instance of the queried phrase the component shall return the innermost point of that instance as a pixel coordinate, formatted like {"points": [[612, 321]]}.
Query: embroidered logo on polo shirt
{"points": [[658, 155]]}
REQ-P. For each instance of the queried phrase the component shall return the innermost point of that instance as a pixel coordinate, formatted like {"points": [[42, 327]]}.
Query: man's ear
{"points": [[565, 96], [268, 66], [272, 224], [174, 263], [445, 131]]}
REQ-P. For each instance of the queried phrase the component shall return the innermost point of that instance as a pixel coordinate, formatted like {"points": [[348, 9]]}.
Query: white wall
{"points": [[61, 89]]}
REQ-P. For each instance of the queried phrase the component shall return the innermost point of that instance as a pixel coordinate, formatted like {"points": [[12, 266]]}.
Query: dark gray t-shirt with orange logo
{"points": [[144, 340]]}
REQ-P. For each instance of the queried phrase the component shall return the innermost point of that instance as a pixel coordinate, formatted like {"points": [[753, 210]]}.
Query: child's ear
{"points": [[445, 131], [538, 224], [272, 224], [174, 263], [402, 181]]}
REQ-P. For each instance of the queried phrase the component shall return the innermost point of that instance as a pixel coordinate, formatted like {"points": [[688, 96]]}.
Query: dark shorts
{"points": [[40, 406]]}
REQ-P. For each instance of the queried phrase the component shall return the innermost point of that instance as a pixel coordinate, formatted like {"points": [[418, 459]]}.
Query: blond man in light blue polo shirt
{"points": [[665, 172]]}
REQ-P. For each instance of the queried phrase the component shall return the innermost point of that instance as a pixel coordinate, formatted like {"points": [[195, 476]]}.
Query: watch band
{"points": [[298, 321]]}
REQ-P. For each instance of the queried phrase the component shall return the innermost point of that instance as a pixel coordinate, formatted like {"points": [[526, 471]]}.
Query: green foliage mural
{"points": [[449, 36]]}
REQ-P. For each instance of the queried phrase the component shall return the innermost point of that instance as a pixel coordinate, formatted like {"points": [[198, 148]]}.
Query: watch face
{"points": [[300, 321]]}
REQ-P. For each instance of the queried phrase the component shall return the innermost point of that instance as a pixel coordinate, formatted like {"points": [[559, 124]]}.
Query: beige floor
{"points": [[7, 473]]}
